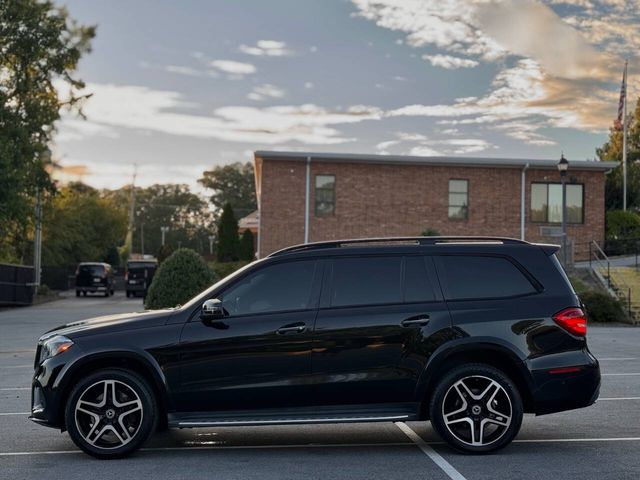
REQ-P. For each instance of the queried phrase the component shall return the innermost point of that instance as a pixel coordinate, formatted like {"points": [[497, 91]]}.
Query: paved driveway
{"points": [[600, 442]]}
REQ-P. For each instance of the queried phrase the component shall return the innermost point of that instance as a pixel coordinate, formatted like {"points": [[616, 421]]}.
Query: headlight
{"points": [[53, 346]]}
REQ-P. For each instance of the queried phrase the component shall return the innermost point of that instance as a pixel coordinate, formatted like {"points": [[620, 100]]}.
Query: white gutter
{"points": [[522, 200], [307, 201]]}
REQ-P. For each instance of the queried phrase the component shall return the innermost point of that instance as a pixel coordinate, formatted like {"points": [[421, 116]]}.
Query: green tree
{"points": [[612, 151], [112, 257], [164, 252], [188, 217], [40, 45], [234, 184], [227, 250], [245, 249], [80, 225], [182, 276]]}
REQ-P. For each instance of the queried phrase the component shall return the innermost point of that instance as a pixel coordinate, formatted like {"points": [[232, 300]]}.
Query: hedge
{"points": [[602, 307], [181, 276]]}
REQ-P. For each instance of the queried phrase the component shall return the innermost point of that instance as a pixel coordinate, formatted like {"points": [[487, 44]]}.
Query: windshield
{"points": [[201, 297], [134, 265]]}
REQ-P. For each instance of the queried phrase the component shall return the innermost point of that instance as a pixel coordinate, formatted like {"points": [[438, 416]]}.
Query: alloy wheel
{"points": [[477, 410], [108, 414]]}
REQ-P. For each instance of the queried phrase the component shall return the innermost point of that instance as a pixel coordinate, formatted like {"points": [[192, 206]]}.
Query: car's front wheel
{"points": [[111, 413], [476, 408]]}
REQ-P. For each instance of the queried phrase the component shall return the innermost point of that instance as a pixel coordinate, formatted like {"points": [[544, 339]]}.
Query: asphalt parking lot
{"points": [[599, 442]]}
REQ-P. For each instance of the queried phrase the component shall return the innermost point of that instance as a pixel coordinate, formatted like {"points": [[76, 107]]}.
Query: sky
{"points": [[180, 87]]}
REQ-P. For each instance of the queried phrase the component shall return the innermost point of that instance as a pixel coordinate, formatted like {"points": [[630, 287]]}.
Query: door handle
{"points": [[292, 329], [420, 321]]}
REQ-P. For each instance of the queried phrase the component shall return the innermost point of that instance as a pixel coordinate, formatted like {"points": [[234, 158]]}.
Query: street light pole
{"points": [[164, 230], [563, 166], [212, 238]]}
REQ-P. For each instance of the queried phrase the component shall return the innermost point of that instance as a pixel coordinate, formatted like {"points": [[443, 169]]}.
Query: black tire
{"points": [[140, 423], [106, 293], [128, 294], [448, 396], [77, 293], [84, 294]]}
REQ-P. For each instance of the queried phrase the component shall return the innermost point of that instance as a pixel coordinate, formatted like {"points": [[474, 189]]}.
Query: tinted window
{"points": [[546, 202], [95, 270], [458, 199], [417, 287], [366, 281], [285, 286], [482, 277], [325, 194]]}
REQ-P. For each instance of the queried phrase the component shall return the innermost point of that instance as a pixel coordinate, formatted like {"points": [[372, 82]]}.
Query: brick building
{"points": [[308, 197]]}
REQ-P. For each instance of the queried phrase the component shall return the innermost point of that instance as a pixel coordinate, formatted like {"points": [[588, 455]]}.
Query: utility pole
{"points": [[142, 238], [624, 139], [132, 208], [37, 241]]}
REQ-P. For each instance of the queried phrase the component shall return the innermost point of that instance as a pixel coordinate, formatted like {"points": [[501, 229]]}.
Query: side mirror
{"points": [[212, 310]]}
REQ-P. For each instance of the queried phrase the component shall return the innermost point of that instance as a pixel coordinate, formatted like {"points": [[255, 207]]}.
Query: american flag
{"points": [[623, 98]]}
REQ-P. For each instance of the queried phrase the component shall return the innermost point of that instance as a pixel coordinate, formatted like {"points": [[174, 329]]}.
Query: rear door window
{"points": [[417, 286], [478, 277], [93, 270], [366, 281]]}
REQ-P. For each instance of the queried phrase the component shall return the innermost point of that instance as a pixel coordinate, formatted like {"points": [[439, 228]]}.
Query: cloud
{"points": [[450, 62], [425, 146], [556, 66], [145, 109], [268, 48], [182, 70], [233, 67], [265, 91]]}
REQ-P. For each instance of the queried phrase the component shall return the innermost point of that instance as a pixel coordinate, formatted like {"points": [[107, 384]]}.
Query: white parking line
{"points": [[325, 445], [16, 366], [614, 359], [445, 466], [620, 374], [6, 389], [607, 399], [6, 414]]}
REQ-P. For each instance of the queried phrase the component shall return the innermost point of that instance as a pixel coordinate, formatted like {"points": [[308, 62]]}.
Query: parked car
{"points": [[93, 277], [469, 333], [138, 276]]}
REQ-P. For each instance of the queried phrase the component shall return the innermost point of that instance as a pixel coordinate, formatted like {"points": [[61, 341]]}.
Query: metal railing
{"points": [[620, 288]]}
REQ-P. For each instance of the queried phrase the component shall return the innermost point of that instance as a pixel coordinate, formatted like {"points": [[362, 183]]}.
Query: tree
{"points": [[164, 253], [245, 250], [227, 235], [188, 217], [234, 184], [39, 45], [182, 276], [112, 257], [81, 225], [612, 150]]}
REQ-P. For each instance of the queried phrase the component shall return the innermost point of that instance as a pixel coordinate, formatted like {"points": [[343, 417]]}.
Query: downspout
{"points": [[522, 200], [307, 201]]}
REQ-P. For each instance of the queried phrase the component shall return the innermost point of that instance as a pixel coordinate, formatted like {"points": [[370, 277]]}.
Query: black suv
{"points": [[139, 275], [469, 333], [94, 277]]}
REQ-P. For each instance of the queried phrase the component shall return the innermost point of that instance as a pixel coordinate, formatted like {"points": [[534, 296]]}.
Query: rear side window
{"points": [[366, 281], [471, 277]]}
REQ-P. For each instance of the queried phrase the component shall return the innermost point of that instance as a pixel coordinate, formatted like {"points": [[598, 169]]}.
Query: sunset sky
{"points": [[179, 87]]}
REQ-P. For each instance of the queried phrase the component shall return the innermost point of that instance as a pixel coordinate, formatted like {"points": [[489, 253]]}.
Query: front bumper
{"points": [[566, 381], [46, 408]]}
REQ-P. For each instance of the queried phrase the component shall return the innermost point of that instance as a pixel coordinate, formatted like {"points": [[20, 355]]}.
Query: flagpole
{"points": [[624, 143]]}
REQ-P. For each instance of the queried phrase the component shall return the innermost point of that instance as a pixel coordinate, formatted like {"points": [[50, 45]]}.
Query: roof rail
{"points": [[416, 240]]}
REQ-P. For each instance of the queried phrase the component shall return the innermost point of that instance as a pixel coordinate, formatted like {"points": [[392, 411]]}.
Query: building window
{"points": [[546, 202], [325, 196], [459, 199]]}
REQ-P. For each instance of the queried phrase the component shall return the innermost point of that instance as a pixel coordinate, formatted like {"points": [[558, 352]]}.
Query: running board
{"points": [[292, 416]]}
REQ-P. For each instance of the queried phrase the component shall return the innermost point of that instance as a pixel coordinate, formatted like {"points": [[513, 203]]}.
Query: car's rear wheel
{"points": [[77, 293], [476, 408], [111, 413]]}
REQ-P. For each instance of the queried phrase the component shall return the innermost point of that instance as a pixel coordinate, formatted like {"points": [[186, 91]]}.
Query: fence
{"points": [[16, 284]]}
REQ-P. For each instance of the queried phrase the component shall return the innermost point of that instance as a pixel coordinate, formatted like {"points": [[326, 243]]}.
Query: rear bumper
{"points": [[566, 381], [136, 287]]}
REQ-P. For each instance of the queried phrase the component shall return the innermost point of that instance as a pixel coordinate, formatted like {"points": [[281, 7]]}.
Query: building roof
{"points": [[436, 161]]}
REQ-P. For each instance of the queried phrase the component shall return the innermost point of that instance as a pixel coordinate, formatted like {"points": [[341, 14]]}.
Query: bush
{"points": [[622, 225], [602, 307], [430, 232], [180, 277], [245, 250], [164, 252], [224, 269]]}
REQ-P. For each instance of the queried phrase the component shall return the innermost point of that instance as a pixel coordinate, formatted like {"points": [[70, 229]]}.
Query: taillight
{"points": [[126, 276], [573, 320]]}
